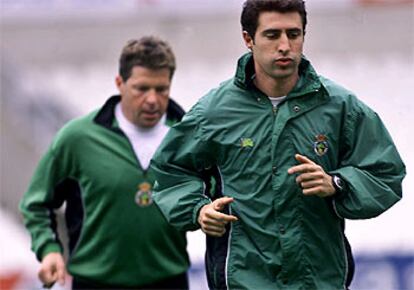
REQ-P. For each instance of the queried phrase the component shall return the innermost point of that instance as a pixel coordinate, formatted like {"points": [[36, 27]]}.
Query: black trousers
{"points": [[177, 282]]}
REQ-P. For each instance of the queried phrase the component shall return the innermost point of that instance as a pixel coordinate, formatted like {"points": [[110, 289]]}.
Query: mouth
{"points": [[284, 61], [150, 115]]}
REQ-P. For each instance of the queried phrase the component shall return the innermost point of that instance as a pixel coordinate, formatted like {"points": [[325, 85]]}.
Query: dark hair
{"points": [[149, 52], [253, 8]]}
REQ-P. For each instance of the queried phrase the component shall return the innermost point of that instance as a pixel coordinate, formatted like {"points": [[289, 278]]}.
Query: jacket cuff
{"points": [[335, 209], [49, 248], [339, 196]]}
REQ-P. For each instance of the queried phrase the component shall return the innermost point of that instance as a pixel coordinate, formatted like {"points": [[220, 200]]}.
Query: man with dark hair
{"points": [[289, 151], [99, 166]]}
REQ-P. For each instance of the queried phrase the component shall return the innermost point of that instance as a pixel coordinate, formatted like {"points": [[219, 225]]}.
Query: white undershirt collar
{"points": [[144, 141], [276, 100]]}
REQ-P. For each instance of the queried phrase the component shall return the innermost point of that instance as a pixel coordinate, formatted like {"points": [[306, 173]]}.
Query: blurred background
{"points": [[59, 60]]}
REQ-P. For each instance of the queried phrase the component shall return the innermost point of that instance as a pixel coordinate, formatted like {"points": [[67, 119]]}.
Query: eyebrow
{"points": [[273, 30]]}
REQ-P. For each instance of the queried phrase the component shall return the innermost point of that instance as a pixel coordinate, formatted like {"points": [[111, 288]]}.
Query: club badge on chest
{"points": [[320, 146], [143, 197]]}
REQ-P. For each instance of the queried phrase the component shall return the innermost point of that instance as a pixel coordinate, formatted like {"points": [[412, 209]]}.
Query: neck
{"points": [[127, 125], [275, 87]]}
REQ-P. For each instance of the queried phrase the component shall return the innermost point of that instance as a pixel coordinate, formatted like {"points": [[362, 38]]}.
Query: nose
{"points": [[151, 96], [283, 44]]}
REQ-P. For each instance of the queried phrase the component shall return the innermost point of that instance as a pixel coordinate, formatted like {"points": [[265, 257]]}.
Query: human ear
{"points": [[248, 40]]}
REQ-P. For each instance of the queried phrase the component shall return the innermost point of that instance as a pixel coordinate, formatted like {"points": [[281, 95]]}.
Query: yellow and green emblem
{"points": [[246, 143]]}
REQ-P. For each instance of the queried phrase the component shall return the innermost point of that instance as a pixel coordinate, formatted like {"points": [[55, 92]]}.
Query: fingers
{"points": [[209, 216], [52, 270], [301, 168], [314, 191], [220, 203], [311, 183], [212, 221], [312, 178], [61, 272], [309, 177], [47, 277], [303, 159], [306, 165], [312, 187], [218, 217], [214, 230], [48, 286]]}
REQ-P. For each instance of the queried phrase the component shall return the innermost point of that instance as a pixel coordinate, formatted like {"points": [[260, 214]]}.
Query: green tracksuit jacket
{"points": [[112, 240], [283, 239]]}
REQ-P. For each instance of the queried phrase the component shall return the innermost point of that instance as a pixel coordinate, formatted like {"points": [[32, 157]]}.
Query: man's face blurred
{"points": [[145, 95]]}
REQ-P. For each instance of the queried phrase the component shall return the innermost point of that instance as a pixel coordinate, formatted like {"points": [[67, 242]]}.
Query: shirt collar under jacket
{"points": [[106, 115]]}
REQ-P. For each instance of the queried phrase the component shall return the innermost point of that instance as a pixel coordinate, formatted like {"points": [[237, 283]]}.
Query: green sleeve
{"points": [[38, 204], [370, 165], [178, 166]]}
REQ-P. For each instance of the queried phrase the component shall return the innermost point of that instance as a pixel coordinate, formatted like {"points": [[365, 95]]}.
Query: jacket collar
{"points": [[245, 71], [308, 81], [106, 115]]}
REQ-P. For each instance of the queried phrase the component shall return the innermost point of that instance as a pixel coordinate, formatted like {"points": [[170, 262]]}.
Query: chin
{"points": [[283, 74], [149, 124]]}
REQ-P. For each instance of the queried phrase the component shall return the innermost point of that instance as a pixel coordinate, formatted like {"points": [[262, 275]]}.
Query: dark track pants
{"points": [[175, 282]]}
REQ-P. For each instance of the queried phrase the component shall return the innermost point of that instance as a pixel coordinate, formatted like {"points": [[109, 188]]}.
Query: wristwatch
{"points": [[338, 183]]}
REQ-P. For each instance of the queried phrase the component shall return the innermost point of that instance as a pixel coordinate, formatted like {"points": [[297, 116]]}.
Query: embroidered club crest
{"points": [[246, 142], [143, 197], [320, 146]]}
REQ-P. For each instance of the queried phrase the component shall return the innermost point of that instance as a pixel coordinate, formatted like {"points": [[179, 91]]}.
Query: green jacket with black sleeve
{"points": [[283, 239], [117, 236]]}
